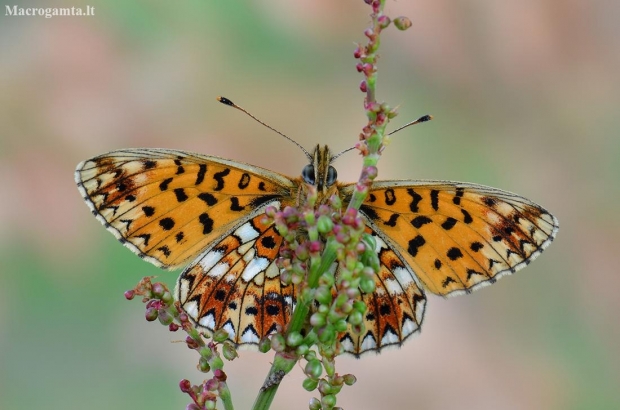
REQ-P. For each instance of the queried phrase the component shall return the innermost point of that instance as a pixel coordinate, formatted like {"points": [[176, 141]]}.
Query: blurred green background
{"points": [[526, 96]]}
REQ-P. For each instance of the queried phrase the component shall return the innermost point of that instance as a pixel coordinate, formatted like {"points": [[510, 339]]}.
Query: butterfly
{"points": [[175, 208]]}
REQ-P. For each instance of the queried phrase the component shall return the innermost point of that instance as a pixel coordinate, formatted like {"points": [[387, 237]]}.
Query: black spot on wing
{"points": [[466, 217], [234, 204], [415, 244], [416, 198], [165, 250], [219, 178], [268, 242], [166, 223], [457, 197], [207, 198], [420, 221], [207, 223], [435, 199], [454, 253], [202, 170], [180, 194], [390, 196], [258, 201], [164, 184], [448, 223], [392, 221], [145, 237], [272, 310], [369, 212], [244, 182], [148, 210]]}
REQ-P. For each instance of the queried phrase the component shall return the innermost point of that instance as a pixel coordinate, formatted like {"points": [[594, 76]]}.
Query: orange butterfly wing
{"points": [[167, 206], [235, 285], [455, 236]]}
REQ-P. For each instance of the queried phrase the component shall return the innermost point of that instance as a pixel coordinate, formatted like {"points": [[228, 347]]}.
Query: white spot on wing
{"points": [[183, 290], [207, 321], [393, 287], [347, 345], [389, 338], [409, 326], [230, 329], [272, 271], [191, 308], [255, 266], [218, 270], [210, 259], [249, 336], [246, 232], [369, 342], [245, 247], [403, 276]]}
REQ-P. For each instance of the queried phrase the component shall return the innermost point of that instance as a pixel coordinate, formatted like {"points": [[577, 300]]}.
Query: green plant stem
{"points": [[225, 396]]}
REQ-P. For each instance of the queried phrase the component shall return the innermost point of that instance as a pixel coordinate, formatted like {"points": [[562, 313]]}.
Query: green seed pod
{"points": [[360, 306], [349, 379], [341, 325], [302, 349], [367, 286], [311, 355], [318, 320], [313, 369], [329, 366], [327, 335], [328, 401], [323, 295], [167, 298], [356, 317], [314, 404], [278, 343], [325, 224], [220, 336], [164, 317], [203, 365], [264, 345], [229, 351], [402, 23], [310, 384], [294, 339]]}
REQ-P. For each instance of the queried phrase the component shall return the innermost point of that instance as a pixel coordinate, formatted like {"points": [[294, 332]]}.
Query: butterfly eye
{"points": [[332, 175], [308, 174]]}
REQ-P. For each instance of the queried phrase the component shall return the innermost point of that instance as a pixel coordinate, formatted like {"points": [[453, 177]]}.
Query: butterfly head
{"points": [[320, 173]]}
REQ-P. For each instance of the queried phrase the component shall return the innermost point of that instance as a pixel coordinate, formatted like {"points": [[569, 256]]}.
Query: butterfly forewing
{"points": [[457, 237], [168, 206]]}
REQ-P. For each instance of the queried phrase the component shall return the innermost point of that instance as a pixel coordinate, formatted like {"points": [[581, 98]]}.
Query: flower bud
{"points": [[402, 23]]}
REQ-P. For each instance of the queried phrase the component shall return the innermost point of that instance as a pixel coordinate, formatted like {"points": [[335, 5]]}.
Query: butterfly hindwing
{"points": [[395, 309], [457, 237], [168, 206], [235, 285]]}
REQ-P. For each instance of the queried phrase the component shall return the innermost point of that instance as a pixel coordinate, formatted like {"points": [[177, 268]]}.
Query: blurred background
{"points": [[526, 96]]}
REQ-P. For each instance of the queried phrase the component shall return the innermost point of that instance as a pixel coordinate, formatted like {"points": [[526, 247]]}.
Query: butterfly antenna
{"points": [[423, 118], [226, 101]]}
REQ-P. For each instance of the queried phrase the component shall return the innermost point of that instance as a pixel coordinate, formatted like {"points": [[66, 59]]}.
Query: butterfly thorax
{"points": [[320, 175]]}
